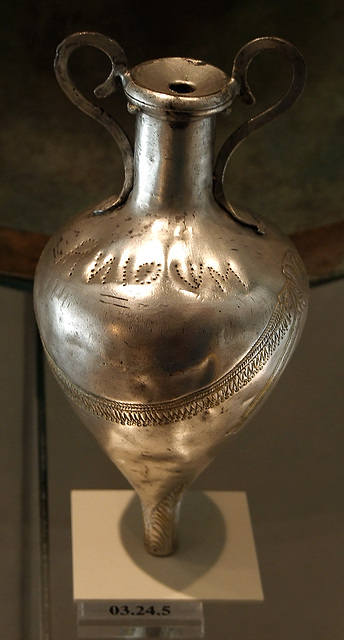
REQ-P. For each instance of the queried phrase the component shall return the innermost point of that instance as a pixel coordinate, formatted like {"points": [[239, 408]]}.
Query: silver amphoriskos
{"points": [[166, 313]]}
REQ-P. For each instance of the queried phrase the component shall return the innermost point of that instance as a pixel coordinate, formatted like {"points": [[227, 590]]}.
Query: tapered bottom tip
{"points": [[161, 552]]}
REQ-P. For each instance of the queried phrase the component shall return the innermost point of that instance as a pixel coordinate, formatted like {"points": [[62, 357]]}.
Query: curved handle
{"points": [[118, 67], [239, 74]]}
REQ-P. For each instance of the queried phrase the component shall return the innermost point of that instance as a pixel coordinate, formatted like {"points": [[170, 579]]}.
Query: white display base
{"points": [[216, 558]]}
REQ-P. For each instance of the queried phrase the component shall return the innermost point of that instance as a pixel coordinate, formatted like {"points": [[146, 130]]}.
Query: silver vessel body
{"points": [[164, 318]]}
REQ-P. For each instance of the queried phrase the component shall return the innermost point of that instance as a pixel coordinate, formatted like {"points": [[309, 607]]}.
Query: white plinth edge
{"points": [[216, 558]]}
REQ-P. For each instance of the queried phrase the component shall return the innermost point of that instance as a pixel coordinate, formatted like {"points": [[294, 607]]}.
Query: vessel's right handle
{"points": [[239, 74], [118, 67]]}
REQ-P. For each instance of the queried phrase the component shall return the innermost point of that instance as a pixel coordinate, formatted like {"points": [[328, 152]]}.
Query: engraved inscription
{"points": [[100, 265], [147, 273], [190, 276], [105, 267], [221, 279], [116, 301], [63, 255], [126, 272]]}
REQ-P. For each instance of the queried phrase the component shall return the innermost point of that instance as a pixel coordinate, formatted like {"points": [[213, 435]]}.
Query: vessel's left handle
{"points": [[118, 67]]}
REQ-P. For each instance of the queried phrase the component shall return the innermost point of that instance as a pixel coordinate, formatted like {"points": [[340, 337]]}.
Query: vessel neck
{"points": [[173, 162]]}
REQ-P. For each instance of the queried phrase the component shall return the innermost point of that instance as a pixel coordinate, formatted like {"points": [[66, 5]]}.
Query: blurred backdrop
{"points": [[56, 161]]}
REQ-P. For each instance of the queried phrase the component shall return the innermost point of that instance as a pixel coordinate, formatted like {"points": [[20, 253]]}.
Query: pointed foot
{"points": [[161, 523]]}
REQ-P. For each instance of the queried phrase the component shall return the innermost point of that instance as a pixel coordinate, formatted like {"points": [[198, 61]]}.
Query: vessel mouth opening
{"points": [[179, 85], [182, 87]]}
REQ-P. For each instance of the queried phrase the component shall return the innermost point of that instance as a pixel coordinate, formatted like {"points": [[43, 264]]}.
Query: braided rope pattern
{"points": [[161, 523]]}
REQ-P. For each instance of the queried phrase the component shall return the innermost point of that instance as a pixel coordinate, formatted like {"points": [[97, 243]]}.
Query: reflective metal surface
{"points": [[165, 317]]}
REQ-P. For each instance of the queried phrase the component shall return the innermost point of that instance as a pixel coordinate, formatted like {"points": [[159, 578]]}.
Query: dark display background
{"points": [[54, 162], [57, 161]]}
